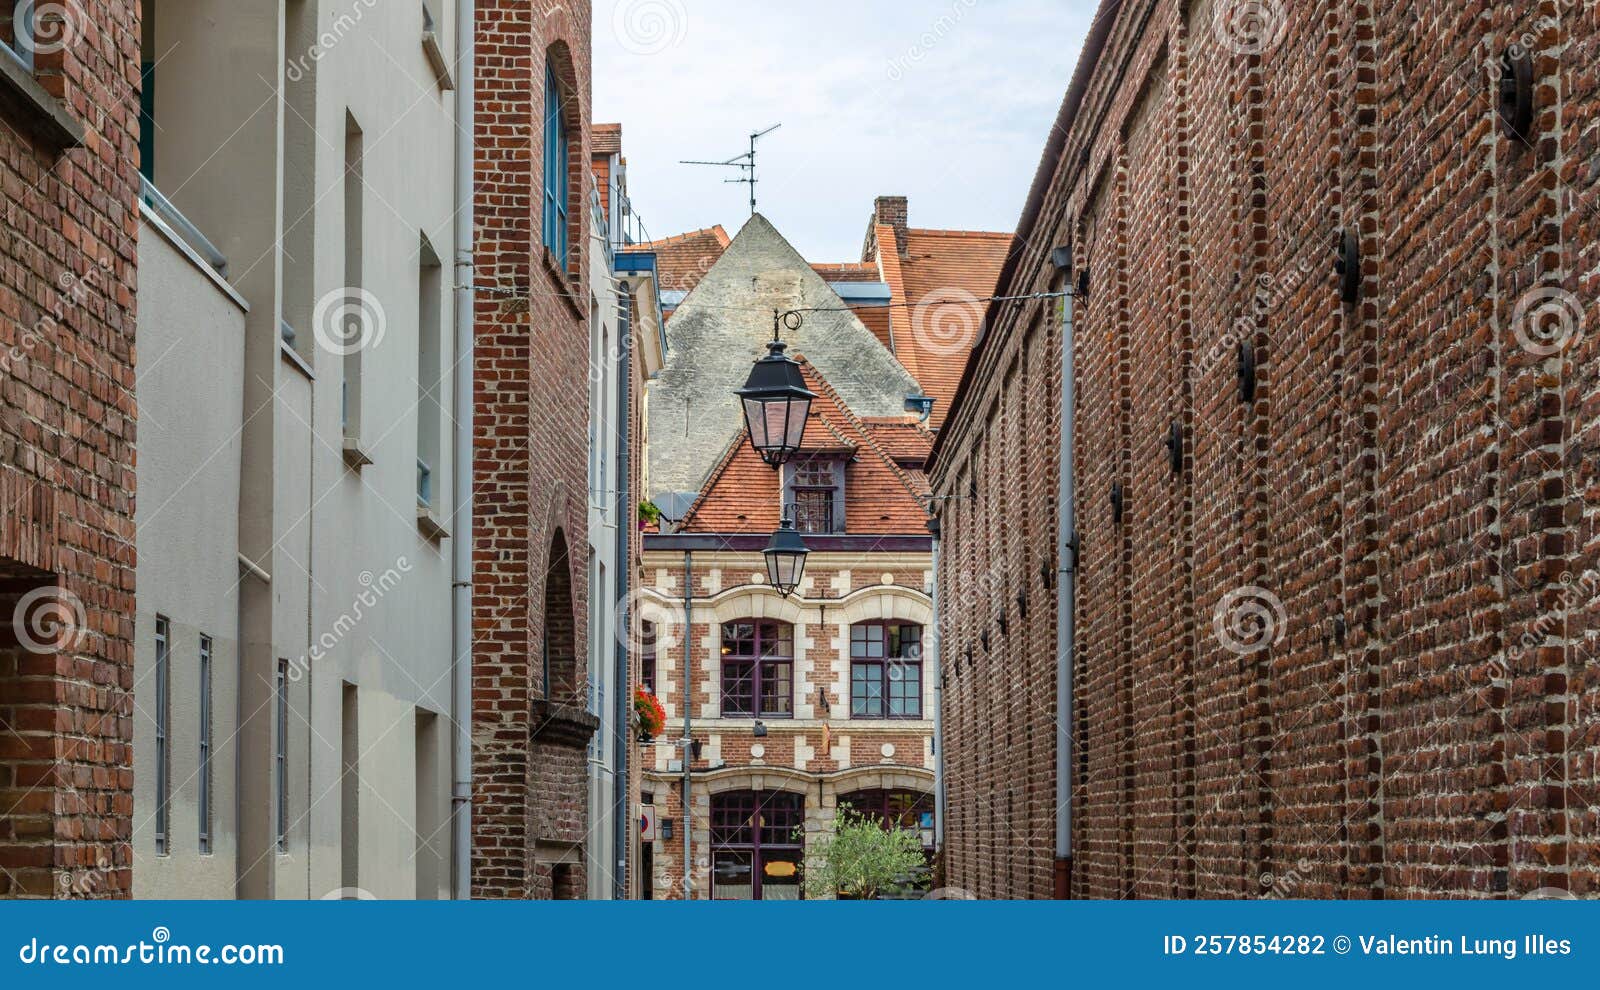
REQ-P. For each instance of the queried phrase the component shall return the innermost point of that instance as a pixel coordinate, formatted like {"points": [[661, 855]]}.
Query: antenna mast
{"points": [[745, 162]]}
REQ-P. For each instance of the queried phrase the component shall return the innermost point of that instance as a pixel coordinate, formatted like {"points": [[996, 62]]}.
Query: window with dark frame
{"points": [[885, 670], [163, 691], [205, 744], [757, 669], [647, 655], [280, 772], [910, 810], [813, 490], [755, 846]]}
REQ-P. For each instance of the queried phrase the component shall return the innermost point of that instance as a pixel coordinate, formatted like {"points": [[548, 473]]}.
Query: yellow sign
{"points": [[779, 869]]}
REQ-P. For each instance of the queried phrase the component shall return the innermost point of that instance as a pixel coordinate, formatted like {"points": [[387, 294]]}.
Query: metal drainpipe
{"points": [[623, 701], [1066, 592], [932, 660], [461, 469]]}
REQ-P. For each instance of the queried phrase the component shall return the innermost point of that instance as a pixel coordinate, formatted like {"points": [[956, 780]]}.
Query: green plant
{"points": [[649, 515], [862, 859]]}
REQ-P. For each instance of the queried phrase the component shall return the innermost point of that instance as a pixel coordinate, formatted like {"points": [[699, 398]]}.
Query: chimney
{"points": [[892, 211]]}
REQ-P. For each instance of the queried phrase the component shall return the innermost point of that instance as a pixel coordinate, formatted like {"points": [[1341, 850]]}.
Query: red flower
{"points": [[652, 717]]}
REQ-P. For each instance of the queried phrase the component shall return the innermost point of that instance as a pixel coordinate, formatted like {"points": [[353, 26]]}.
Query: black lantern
{"points": [[786, 558], [776, 405]]}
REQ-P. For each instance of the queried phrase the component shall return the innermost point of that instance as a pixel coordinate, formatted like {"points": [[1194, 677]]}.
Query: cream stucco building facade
{"points": [[296, 363]]}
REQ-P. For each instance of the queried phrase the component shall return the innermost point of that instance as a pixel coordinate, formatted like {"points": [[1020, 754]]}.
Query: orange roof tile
{"points": [[876, 319], [683, 260], [743, 495], [939, 272], [906, 442]]}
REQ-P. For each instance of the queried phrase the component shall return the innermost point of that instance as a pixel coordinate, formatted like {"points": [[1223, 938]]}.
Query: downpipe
{"points": [[1066, 601], [461, 470]]}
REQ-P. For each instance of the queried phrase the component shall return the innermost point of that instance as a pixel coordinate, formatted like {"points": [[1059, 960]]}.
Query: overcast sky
{"points": [[945, 101]]}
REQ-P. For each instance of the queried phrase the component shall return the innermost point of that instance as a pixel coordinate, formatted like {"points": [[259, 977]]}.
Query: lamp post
{"points": [[786, 558], [775, 400]]}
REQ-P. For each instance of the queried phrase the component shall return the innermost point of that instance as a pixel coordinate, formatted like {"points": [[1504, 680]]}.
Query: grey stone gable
{"points": [[723, 326]]}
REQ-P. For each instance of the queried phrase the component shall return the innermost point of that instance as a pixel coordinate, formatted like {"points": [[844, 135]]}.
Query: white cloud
{"points": [[946, 101]]}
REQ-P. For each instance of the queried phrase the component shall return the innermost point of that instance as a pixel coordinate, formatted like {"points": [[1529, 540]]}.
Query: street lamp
{"points": [[786, 558], [776, 401]]}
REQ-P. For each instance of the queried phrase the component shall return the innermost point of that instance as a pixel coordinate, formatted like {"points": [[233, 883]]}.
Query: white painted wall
{"points": [[252, 148], [189, 369]]}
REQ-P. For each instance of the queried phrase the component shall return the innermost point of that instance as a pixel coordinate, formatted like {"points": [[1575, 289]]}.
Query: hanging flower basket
{"points": [[649, 515], [652, 717]]}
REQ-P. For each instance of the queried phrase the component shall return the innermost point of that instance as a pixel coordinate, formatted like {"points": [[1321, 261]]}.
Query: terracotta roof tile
{"points": [[742, 494], [876, 319], [606, 139], [683, 260], [906, 442], [951, 266]]}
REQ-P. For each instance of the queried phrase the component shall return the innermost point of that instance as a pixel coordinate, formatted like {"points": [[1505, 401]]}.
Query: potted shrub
{"points": [[649, 515]]}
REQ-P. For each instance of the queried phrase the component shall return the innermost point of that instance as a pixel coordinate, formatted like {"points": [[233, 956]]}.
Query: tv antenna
{"points": [[745, 162]]}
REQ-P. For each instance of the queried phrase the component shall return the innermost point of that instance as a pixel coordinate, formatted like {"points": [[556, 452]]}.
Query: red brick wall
{"points": [[67, 415], [531, 422], [735, 736], [1409, 500]]}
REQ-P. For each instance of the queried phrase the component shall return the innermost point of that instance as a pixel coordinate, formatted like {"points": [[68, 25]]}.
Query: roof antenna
{"points": [[746, 162]]}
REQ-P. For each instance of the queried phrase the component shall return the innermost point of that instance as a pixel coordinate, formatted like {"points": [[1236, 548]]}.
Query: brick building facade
{"points": [[1343, 258], [530, 598], [798, 704], [69, 154]]}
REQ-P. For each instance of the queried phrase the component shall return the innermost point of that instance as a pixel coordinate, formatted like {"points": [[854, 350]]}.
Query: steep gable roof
{"points": [[683, 259], [723, 326], [743, 494]]}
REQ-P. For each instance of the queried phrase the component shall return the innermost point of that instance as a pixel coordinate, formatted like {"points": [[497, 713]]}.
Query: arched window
{"points": [[758, 669], [755, 846], [885, 670], [910, 810], [556, 182]]}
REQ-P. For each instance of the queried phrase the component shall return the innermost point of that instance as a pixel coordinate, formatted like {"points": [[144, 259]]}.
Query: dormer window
{"points": [[814, 486]]}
